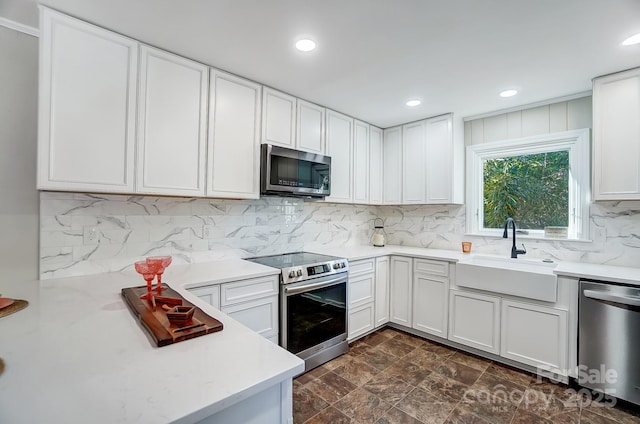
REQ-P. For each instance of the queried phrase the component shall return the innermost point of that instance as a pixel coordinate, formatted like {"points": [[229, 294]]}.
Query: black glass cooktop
{"points": [[287, 260]]}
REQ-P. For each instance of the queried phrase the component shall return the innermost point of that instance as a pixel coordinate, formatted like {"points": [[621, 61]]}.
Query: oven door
{"points": [[293, 172], [314, 314]]}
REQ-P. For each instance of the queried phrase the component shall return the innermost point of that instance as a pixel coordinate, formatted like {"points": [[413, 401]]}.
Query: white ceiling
{"points": [[373, 55]]}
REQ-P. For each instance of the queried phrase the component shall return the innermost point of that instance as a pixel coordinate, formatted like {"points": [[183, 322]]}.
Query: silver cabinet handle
{"points": [[616, 298], [309, 287]]}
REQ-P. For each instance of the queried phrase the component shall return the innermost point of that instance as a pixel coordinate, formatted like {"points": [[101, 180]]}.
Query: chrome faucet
{"points": [[514, 251]]}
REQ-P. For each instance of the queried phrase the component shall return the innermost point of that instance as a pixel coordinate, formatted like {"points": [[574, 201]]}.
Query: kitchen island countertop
{"points": [[77, 354]]}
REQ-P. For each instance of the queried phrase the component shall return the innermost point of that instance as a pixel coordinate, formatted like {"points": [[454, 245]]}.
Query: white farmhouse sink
{"points": [[528, 278]]}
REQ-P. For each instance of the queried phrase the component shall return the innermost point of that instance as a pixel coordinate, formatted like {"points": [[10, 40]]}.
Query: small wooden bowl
{"points": [[181, 315]]}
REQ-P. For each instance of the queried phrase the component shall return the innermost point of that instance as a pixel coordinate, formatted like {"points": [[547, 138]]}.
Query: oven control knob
{"points": [[292, 274], [336, 265], [299, 273]]}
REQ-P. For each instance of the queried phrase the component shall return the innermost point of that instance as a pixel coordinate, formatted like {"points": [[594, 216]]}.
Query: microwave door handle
{"points": [[320, 285], [610, 297]]}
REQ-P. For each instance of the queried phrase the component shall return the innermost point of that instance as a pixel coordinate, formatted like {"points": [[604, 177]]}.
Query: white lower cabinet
{"points": [[430, 296], [361, 289], [210, 294], [474, 320], [260, 315], [252, 302], [381, 315], [360, 320], [361, 298], [535, 335], [400, 290]]}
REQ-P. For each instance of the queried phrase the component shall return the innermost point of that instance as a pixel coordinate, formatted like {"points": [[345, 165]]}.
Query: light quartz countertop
{"points": [[77, 354], [609, 273]]}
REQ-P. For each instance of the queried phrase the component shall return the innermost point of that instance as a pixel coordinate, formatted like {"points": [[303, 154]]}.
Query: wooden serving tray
{"points": [[156, 321]]}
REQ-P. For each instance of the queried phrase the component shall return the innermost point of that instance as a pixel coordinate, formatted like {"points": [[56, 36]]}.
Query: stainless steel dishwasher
{"points": [[609, 339]]}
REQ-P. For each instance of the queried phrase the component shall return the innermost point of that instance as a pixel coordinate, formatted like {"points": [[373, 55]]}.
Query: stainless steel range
{"points": [[313, 305]]}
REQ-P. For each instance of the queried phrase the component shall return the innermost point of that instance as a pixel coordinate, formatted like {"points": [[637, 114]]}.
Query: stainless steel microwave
{"points": [[289, 172]]}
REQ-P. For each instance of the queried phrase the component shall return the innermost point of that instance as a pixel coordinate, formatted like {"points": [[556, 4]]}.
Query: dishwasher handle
{"points": [[610, 297]]}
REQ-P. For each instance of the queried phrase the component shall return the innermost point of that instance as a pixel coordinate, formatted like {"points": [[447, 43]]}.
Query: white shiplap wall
{"points": [[555, 117]]}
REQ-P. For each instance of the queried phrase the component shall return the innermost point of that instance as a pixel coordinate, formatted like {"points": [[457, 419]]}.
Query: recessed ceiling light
{"points": [[634, 39], [305, 45], [508, 93], [413, 103]]}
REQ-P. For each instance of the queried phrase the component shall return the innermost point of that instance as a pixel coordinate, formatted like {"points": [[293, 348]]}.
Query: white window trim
{"points": [[578, 144]]}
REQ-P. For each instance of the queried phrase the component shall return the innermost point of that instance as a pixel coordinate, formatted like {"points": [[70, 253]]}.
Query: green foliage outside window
{"points": [[531, 189]]}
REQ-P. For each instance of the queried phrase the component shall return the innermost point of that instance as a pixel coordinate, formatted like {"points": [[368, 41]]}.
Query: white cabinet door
{"points": [[210, 294], [616, 136], [361, 290], [535, 335], [413, 169], [234, 137], [400, 285], [392, 166], [278, 118], [340, 148], [87, 104], [439, 163], [260, 315], [360, 162], [375, 166], [310, 127], [474, 320], [172, 124], [431, 296], [430, 304], [382, 291], [360, 321]]}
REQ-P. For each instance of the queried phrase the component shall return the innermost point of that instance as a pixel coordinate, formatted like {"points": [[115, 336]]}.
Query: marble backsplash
{"points": [[84, 234]]}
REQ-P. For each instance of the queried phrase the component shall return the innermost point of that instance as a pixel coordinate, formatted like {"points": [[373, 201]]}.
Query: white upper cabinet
{"points": [[375, 166], [172, 124], [616, 136], [310, 127], [360, 162], [278, 118], [87, 104], [340, 148], [432, 162], [413, 169], [234, 137], [439, 163], [392, 166]]}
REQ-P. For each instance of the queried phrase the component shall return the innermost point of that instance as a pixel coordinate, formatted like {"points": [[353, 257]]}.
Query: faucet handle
{"points": [[523, 251]]}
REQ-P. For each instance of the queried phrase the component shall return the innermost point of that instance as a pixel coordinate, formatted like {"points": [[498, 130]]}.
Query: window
{"points": [[540, 182]]}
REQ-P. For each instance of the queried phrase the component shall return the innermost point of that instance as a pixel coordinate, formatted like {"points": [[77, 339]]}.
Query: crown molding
{"points": [[17, 26]]}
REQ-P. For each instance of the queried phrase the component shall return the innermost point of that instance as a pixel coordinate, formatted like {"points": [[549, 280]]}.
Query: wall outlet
{"points": [[207, 230], [90, 235]]}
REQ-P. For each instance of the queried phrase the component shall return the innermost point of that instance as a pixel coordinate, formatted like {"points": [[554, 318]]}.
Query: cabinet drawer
{"points": [[259, 315], [362, 267], [210, 294], [361, 290], [431, 267], [244, 290], [360, 321]]}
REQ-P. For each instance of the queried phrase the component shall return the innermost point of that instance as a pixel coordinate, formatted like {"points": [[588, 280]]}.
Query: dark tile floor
{"points": [[393, 377]]}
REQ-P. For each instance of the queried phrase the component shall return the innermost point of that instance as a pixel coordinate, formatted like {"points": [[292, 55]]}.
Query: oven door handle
{"points": [[319, 285], [615, 298]]}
